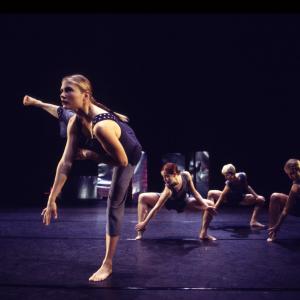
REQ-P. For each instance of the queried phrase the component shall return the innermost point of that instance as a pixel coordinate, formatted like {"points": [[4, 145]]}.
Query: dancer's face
{"points": [[170, 179], [229, 176], [71, 96], [293, 173]]}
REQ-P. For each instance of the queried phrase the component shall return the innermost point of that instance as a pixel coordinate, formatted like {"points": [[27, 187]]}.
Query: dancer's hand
{"points": [[140, 226], [48, 212], [87, 154], [211, 209], [27, 100], [80, 155]]}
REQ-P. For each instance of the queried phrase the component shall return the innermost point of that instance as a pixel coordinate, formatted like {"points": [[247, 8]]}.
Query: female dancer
{"points": [[238, 192], [174, 196], [281, 204], [115, 142]]}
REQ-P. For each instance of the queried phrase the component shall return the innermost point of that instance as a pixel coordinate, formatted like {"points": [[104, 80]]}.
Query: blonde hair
{"points": [[85, 86], [291, 164], [229, 168]]}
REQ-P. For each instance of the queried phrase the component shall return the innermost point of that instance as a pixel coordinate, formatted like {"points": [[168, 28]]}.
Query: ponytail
{"points": [[121, 117]]}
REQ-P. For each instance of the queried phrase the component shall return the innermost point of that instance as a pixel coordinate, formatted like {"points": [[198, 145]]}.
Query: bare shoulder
{"points": [[106, 124], [105, 128], [187, 174], [295, 188], [242, 175]]}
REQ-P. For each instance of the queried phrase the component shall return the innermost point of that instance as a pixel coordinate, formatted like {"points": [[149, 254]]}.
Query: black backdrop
{"points": [[225, 83]]}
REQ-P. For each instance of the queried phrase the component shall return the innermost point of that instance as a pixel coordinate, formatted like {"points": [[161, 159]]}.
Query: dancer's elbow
{"points": [[123, 161], [64, 166]]}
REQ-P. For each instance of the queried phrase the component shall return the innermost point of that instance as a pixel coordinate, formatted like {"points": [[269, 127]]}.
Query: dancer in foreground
{"points": [[114, 141]]}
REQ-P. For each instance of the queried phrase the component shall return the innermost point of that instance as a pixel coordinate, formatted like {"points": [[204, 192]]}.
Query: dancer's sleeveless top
{"points": [[178, 199], [238, 188]]}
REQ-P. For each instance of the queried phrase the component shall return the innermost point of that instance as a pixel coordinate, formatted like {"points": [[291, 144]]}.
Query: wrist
{"points": [[38, 103], [51, 200]]}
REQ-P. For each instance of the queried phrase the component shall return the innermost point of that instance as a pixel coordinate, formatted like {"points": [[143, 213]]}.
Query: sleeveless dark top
{"points": [[128, 139], [132, 147], [178, 199], [237, 188], [238, 185]]}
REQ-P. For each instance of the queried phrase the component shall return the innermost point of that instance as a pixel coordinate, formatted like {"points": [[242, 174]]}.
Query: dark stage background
{"points": [[224, 83]]}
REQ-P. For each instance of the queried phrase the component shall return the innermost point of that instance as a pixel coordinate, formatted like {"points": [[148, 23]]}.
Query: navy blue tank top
{"points": [[239, 186], [182, 193], [128, 139], [178, 199]]}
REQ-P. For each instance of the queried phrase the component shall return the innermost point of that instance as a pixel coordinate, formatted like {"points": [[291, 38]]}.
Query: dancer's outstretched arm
{"points": [[48, 107], [164, 196], [223, 195], [251, 191]]}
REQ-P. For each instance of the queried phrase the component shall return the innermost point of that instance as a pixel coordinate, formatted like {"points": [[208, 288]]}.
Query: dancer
{"points": [[237, 192], [174, 196], [281, 204], [115, 142]]}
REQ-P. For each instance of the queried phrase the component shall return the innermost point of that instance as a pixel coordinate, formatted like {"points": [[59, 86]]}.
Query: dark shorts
{"points": [[178, 205], [295, 210], [234, 199]]}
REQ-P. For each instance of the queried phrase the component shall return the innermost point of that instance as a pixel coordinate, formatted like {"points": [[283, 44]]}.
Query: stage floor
{"points": [[40, 262]]}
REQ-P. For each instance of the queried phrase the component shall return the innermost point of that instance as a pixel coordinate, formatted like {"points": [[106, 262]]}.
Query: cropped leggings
{"points": [[116, 199]]}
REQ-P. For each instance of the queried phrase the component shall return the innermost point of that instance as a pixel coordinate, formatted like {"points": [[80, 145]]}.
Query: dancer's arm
{"points": [[223, 195], [83, 154], [62, 171], [249, 188], [106, 134], [251, 191], [196, 194], [50, 108], [164, 196]]}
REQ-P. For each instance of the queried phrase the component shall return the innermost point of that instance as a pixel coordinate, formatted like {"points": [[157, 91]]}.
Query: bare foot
{"points": [[139, 235], [271, 238], [104, 271], [257, 224], [206, 237]]}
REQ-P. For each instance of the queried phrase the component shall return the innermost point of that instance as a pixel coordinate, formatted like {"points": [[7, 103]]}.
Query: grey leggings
{"points": [[116, 199]]}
